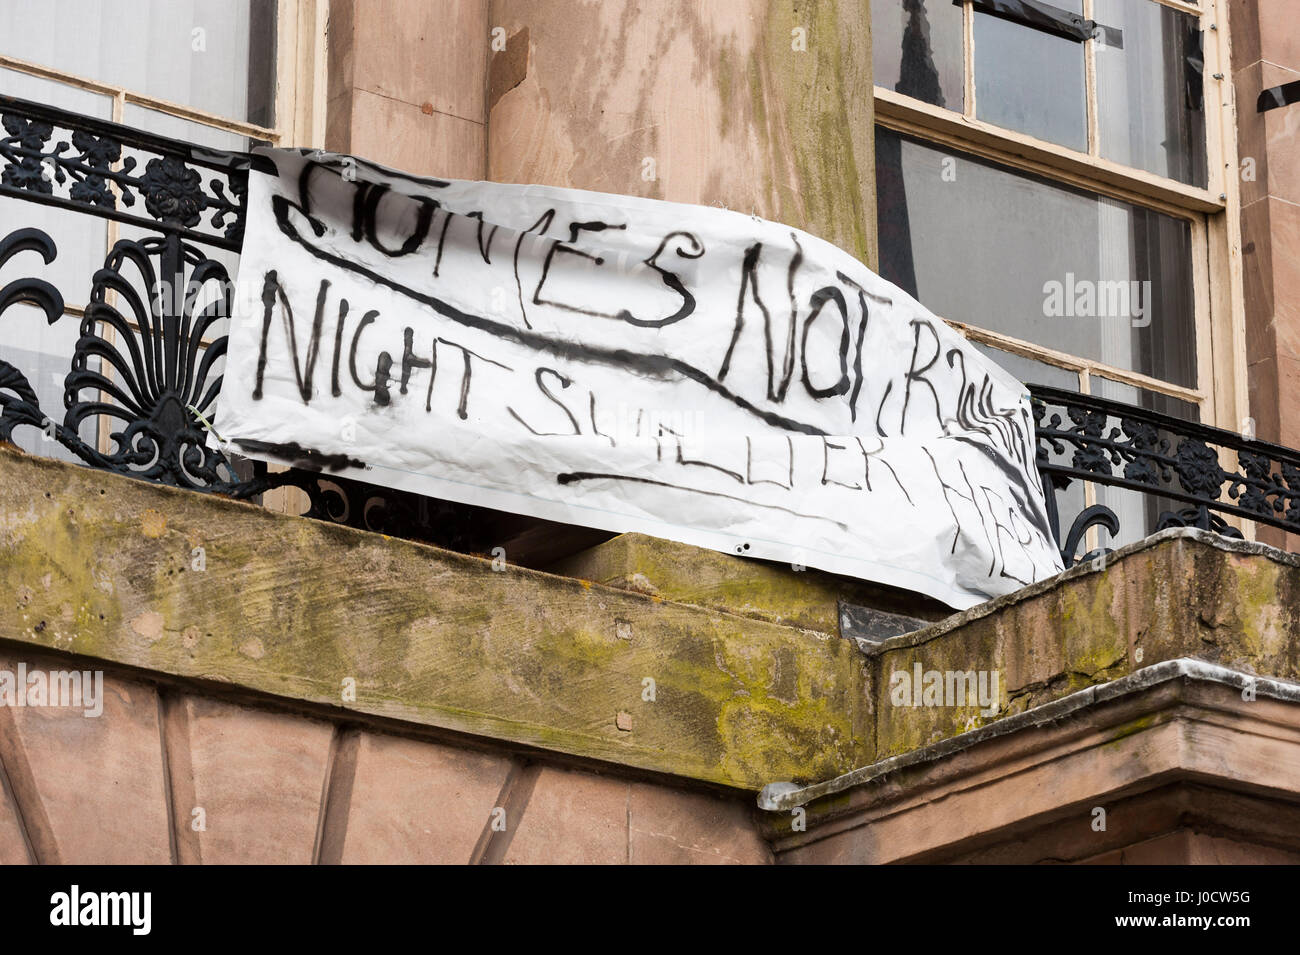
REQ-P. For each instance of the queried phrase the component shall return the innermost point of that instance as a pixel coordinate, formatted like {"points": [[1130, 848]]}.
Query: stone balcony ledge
{"points": [[103, 566], [1183, 761], [706, 682]]}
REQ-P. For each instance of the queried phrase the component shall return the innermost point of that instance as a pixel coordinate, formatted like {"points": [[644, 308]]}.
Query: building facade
{"points": [[1096, 193]]}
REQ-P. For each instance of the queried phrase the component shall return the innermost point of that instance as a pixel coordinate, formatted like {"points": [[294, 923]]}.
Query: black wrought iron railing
{"points": [[84, 164], [1214, 474], [146, 364], [141, 360], [147, 361]]}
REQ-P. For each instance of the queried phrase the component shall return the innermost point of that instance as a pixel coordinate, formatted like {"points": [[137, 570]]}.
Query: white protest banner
{"points": [[626, 364]]}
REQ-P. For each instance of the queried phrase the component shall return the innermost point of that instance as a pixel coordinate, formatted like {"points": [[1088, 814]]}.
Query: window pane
{"points": [[37, 89], [43, 354], [187, 131], [80, 243], [1030, 371], [40, 351], [1141, 397], [1149, 91], [215, 55], [916, 50], [1031, 81], [989, 246]]}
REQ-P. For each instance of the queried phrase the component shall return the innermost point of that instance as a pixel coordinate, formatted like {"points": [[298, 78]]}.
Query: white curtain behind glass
{"points": [[192, 52]]}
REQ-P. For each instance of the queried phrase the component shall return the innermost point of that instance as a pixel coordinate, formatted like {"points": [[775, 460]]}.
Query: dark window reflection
{"points": [[1004, 250], [1031, 81], [1149, 91], [916, 49], [261, 62]]}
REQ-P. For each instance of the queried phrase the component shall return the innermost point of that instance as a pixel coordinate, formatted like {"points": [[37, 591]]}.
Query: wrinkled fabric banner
{"points": [[626, 364]]}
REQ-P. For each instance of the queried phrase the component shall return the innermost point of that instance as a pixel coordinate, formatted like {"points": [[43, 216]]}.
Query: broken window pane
{"points": [[1031, 81]]}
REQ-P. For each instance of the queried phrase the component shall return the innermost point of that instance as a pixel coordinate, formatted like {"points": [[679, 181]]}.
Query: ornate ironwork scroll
{"points": [[75, 162], [147, 360], [1213, 472]]}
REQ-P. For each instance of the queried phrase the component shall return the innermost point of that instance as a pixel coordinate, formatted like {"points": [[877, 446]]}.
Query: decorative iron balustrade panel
{"points": [[1215, 473], [141, 362], [153, 376], [75, 162]]}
